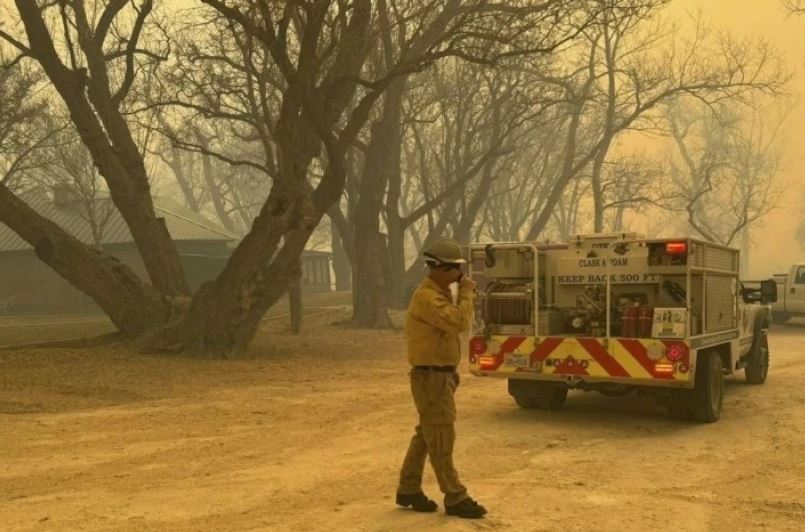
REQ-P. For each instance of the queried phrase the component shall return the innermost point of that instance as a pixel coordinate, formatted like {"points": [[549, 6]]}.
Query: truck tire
{"points": [[535, 394], [758, 368], [780, 317], [524, 401], [707, 396]]}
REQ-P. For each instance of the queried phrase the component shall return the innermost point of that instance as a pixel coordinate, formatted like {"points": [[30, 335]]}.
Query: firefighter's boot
{"points": [[468, 509], [418, 502]]}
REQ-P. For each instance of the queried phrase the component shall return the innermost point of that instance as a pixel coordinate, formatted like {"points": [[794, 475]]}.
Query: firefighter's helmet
{"points": [[444, 251]]}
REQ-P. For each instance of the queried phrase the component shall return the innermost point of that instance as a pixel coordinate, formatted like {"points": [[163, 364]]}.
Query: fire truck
{"points": [[618, 314]]}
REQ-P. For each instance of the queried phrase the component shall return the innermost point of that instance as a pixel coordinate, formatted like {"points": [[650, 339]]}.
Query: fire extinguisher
{"points": [[645, 321], [630, 321]]}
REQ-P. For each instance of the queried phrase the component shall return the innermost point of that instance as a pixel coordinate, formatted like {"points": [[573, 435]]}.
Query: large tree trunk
{"points": [[342, 265], [382, 167], [397, 288], [132, 305], [225, 313], [395, 284], [371, 306], [382, 159]]}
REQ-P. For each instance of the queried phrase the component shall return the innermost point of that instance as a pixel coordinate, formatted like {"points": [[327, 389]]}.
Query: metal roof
{"points": [[183, 224]]}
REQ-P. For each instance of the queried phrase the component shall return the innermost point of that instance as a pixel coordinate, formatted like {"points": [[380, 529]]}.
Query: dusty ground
{"points": [[308, 434]]}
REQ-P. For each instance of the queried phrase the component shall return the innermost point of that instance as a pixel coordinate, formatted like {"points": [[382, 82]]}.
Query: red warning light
{"points": [[478, 346], [676, 248], [674, 353]]}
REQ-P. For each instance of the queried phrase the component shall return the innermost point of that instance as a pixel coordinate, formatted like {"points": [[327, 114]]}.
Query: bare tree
{"points": [[725, 172], [643, 65], [72, 176], [466, 150], [531, 176], [24, 128], [92, 58], [629, 184], [25, 136], [477, 32], [320, 78], [794, 7], [317, 51], [91, 62], [566, 218]]}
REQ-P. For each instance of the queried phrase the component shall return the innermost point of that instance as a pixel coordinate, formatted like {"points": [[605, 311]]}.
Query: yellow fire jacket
{"points": [[433, 324]]}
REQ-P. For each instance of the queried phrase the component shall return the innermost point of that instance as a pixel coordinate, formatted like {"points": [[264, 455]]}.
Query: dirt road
{"points": [[309, 434]]}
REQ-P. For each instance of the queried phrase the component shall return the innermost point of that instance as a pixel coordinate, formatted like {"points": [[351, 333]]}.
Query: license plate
{"points": [[517, 360]]}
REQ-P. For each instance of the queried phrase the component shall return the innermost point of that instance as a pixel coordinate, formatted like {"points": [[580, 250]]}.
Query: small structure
{"points": [[28, 285], [316, 271]]}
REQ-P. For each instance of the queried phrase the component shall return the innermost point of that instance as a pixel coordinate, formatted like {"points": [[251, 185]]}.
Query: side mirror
{"points": [[768, 291], [749, 295]]}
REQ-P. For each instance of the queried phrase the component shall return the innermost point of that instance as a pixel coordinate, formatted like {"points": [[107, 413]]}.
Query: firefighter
{"points": [[433, 325]]}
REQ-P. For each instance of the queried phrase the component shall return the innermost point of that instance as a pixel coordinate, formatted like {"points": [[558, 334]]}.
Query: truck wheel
{"points": [[524, 401], [780, 317], [534, 394], [758, 368], [707, 397]]}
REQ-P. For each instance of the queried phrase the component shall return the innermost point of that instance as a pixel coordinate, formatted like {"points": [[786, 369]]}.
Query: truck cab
{"points": [[790, 294]]}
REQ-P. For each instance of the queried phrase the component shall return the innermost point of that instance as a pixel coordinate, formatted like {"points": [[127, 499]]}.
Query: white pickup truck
{"points": [[790, 294]]}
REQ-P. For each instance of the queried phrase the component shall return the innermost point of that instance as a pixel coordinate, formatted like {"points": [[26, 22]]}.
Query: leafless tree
{"points": [[725, 170], [476, 32], [642, 64], [24, 128], [463, 149], [72, 175], [91, 58], [94, 64], [629, 184], [532, 175], [568, 210], [794, 7], [575, 151], [317, 53]]}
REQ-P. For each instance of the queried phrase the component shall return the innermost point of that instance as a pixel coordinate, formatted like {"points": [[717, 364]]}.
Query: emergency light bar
{"points": [[676, 248]]}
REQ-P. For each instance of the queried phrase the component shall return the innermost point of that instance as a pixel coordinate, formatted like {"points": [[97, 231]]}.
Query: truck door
{"points": [[795, 298]]}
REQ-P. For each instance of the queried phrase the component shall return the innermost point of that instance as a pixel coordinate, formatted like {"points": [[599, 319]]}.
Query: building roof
{"points": [[183, 224]]}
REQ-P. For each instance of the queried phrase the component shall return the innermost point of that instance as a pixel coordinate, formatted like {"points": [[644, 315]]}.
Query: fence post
{"points": [[296, 307]]}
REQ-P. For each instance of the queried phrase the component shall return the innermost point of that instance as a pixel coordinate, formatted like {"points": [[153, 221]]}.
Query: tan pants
{"points": [[434, 436]]}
